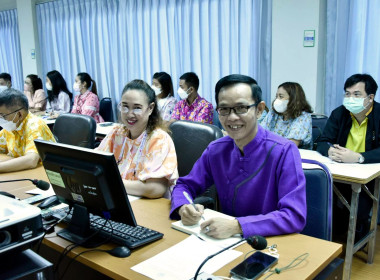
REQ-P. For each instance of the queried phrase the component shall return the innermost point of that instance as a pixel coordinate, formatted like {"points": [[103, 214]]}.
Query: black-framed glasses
{"points": [[3, 116], [238, 110]]}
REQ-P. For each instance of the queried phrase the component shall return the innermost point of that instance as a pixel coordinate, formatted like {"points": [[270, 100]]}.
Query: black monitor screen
{"points": [[88, 178]]}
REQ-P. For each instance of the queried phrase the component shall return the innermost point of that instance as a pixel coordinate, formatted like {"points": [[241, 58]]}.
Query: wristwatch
{"points": [[361, 159]]}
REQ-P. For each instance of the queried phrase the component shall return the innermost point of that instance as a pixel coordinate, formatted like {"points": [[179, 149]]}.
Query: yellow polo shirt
{"points": [[356, 137], [21, 141]]}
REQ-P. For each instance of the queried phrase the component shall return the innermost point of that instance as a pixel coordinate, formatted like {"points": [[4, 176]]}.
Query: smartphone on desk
{"points": [[254, 266]]}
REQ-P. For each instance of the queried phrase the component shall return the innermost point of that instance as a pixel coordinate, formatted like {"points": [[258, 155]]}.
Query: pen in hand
{"points": [[191, 202]]}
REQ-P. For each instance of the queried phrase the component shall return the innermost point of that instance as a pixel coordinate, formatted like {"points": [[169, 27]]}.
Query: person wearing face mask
{"points": [[35, 94], [87, 102], [20, 129], [144, 151], [351, 135], [290, 116], [163, 87], [59, 97], [5, 81], [192, 107]]}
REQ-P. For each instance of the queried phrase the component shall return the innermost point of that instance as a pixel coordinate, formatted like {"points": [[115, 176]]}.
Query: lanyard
{"points": [[137, 157]]}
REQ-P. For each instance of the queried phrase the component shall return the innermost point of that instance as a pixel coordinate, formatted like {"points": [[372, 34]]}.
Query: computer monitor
{"points": [[88, 180]]}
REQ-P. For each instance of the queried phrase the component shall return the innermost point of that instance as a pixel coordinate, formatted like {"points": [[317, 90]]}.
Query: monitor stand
{"points": [[78, 230]]}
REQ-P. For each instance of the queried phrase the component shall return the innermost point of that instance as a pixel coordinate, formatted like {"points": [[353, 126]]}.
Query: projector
{"points": [[20, 224]]}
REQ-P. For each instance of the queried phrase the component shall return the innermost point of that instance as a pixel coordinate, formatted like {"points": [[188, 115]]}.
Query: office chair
{"points": [[190, 140], [319, 191], [318, 123], [215, 120], [319, 195], [105, 109], [75, 129]]}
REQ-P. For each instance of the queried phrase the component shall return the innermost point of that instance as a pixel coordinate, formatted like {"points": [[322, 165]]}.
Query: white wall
{"points": [[27, 25], [291, 61]]}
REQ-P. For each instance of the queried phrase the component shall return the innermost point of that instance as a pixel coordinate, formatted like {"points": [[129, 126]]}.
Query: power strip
{"points": [[206, 276]]}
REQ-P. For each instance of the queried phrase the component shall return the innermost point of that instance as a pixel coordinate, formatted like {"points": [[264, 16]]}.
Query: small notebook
{"points": [[196, 229]]}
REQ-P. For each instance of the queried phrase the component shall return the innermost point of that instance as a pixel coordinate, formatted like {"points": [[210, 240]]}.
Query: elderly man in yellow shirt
{"points": [[20, 129]]}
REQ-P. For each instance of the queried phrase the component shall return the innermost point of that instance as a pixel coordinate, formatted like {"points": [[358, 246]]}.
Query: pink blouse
{"points": [[37, 100], [87, 104]]}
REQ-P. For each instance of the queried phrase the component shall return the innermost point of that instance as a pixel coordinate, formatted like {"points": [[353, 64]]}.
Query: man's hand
{"points": [[189, 215], [221, 228], [341, 154]]}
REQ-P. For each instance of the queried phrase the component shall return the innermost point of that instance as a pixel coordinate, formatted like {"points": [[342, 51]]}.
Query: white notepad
{"points": [[181, 261], [196, 229]]}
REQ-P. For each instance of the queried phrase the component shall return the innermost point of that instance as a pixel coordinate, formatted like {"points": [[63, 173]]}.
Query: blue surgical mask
{"points": [[354, 105]]}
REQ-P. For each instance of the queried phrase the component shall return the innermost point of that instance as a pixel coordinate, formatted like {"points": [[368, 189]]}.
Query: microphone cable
{"points": [[253, 175], [68, 249], [93, 249], [49, 228]]}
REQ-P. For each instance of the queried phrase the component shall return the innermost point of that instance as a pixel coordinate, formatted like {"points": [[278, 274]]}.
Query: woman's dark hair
{"points": [[58, 84], [36, 82], [84, 77], [166, 83], [154, 120], [297, 100], [238, 79]]}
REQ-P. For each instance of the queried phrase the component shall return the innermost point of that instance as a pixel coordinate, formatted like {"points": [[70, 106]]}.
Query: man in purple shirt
{"points": [[258, 175], [192, 107]]}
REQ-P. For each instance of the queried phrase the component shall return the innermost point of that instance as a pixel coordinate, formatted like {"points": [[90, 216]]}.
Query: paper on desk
{"points": [[182, 260], [196, 229], [47, 193], [133, 197], [314, 155]]}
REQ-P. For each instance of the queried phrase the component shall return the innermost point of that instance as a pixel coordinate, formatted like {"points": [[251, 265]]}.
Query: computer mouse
{"points": [[120, 252], [49, 202]]}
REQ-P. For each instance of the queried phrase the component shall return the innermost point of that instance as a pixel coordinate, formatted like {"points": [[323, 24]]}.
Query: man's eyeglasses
{"points": [[125, 110], [3, 116], [238, 110]]}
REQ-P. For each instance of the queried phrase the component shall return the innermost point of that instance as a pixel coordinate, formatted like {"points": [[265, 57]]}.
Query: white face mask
{"points": [[2, 88], [8, 125], [280, 105], [157, 90], [49, 86], [182, 93], [76, 87]]}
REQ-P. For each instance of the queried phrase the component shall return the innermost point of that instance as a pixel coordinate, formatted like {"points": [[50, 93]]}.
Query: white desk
{"points": [[356, 175], [101, 130]]}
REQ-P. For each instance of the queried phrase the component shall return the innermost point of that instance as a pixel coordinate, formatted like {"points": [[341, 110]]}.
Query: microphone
{"points": [[43, 185], [257, 242]]}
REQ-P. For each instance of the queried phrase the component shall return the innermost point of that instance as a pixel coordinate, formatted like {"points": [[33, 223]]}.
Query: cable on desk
{"points": [[74, 245], [297, 261], [49, 228]]}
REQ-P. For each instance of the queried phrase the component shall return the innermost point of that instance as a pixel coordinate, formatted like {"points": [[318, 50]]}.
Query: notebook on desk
{"points": [[196, 229]]}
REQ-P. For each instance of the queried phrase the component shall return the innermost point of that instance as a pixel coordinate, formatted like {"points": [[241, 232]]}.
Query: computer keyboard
{"points": [[117, 232]]}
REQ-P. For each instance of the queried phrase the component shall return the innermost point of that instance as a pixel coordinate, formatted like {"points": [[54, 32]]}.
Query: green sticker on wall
{"points": [[55, 178]]}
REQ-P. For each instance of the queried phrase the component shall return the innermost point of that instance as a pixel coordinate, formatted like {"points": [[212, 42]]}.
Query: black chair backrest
{"points": [[190, 140], [105, 109], [215, 120], [319, 191], [318, 124], [75, 129]]}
